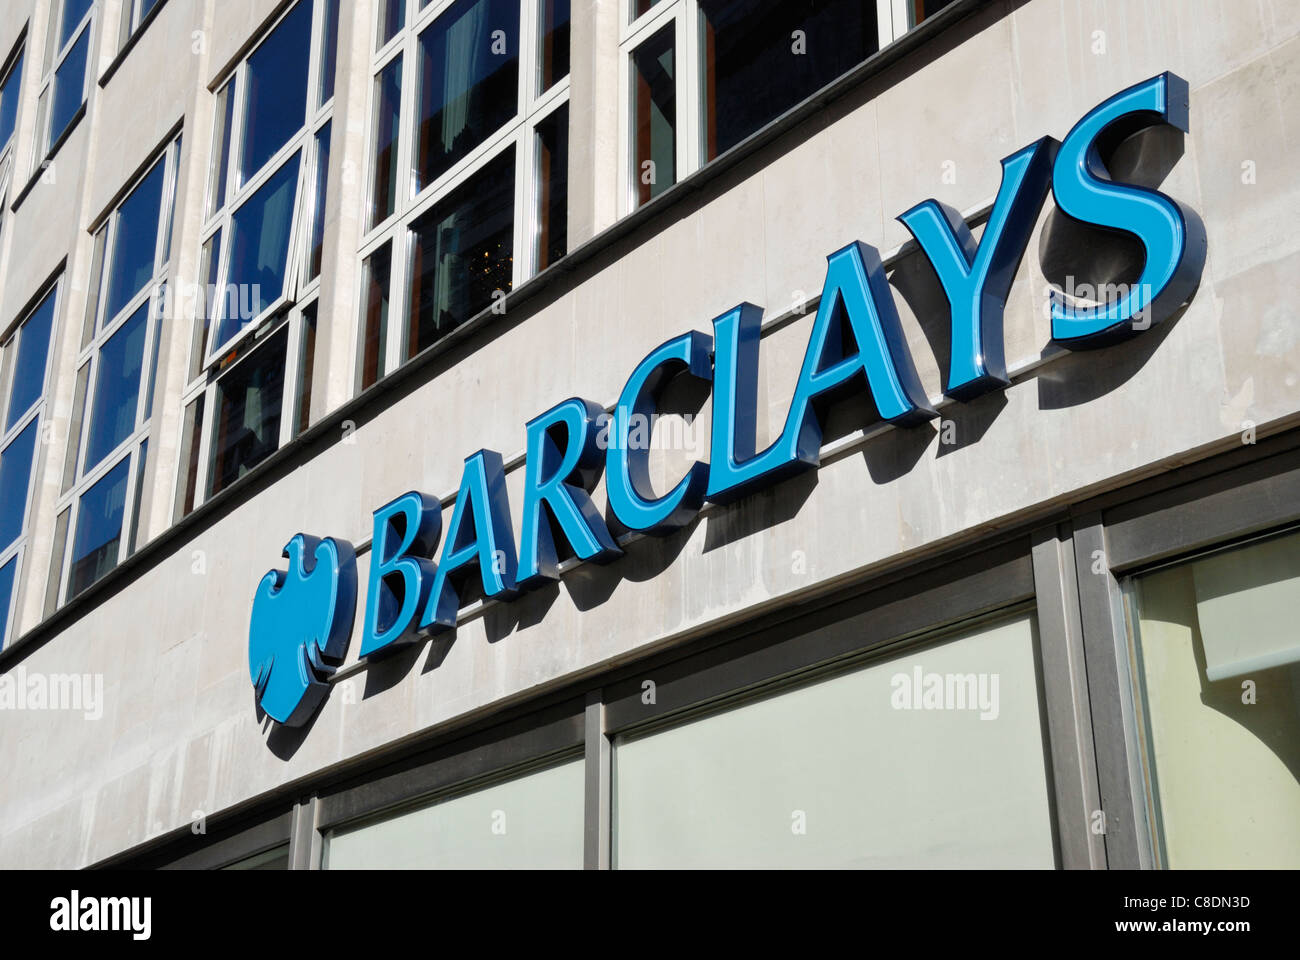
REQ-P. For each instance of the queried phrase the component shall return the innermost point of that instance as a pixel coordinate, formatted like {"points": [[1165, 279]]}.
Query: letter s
{"points": [[1171, 234]]}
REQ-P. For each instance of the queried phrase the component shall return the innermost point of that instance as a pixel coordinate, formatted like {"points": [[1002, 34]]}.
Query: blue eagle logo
{"points": [[302, 621]]}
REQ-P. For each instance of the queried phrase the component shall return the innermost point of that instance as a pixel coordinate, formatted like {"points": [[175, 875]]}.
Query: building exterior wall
{"points": [[180, 735]]}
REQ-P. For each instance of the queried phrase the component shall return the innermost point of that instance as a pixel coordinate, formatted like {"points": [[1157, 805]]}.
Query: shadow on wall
{"points": [[1073, 255]]}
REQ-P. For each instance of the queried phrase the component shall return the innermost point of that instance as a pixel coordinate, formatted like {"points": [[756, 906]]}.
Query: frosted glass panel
{"points": [[531, 822], [1224, 754], [882, 767]]}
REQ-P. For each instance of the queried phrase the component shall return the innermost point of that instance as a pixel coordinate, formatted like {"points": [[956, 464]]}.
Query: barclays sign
{"points": [[302, 618]]}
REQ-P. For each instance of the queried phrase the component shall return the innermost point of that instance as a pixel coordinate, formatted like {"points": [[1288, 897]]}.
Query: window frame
{"points": [[519, 133], [97, 331], [894, 18], [210, 362], [45, 143], [34, 415], [15, 62]]}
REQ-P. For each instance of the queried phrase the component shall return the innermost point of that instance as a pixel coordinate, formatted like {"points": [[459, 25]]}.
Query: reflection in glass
{"points": [[655, 118], [117, 388], [249, 400], [388, 103], [135, 241], [553, 187], [469, 82], [462, 253], [306, 364], [317, 247], [392, 17], [554, 60], [95, 547], [259, 251], [9, 100], [15, 475], [33, 353], [69, 87], [329, 52], [374, 318], [277, 89]]}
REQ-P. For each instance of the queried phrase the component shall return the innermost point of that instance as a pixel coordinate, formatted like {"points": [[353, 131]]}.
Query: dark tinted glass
{"points": [[33, 353], [221, 166], [555, 42], [306, 364], [135, 243], [462, 253], [469, 82], [259, 250], [374, 318], [117, 388], [99, 529], [9, 100], [553, 187], [249, 399], [318, 205], [15, 474], [392, 17], [926, 8], [388, 104], [329, 51], [655, 132], [761, 57], [277, 89], [69, 81], [6, 596]]}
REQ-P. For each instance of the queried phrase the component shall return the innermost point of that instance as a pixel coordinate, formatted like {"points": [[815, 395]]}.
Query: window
{"points": [[67, 76], [24, 375], [703, 75], [116, 366], [133, 15], [1218, 673], [847, 772], [262, 252], [11, 78], [533, 821], [468, 189]]}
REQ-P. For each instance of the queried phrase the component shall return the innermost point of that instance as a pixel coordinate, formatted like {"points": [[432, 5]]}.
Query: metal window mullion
{"points": [[206, 428], [401, 279], [128, 505], [522, 264], [688, 90], [901, 15], [408, 122], [314, 48], [289, 397]]}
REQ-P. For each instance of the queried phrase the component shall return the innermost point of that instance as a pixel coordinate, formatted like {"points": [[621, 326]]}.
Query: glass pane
{"points": [[306, 364], [74, 11], [9, 100], [259, 251], [318, 205], [530, 822], [75, 427], [554, 61], [33, 351], [135, 243], [15, 475], [553, 187], [190, 457], [99, 529], [220, 172], [655, 104], [926, 8], [117, 388], [329, 51], [145, 7], [69, 85], [96, 285], [388, 102], [863, 769], [469, 82], [277, 90], [248, 404], [142, 461], [1225, 765], [462, 253], [206, 307], [392, 17], [754, 71], [6, 597], [56, 562], [171, 202], [374, 320]]}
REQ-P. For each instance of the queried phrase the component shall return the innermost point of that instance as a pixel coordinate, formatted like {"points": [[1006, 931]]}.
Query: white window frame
{"points": [[42, 143], [35, 415], [132, 18], [893, 19], [533, 108], [17, 59], [300, 292], [98, 330]]}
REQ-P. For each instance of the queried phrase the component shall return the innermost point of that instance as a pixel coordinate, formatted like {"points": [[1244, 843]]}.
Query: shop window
{"points": [[465, 127], [1218, 677], [263, 249], [860, 769], [107, 448], [533, 821]]}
